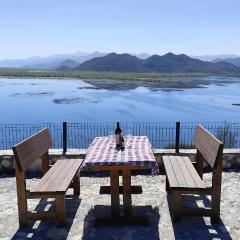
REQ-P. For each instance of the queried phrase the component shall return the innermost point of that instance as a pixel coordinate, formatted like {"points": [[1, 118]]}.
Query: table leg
{"points": [[116, 218], [127, 200], [115, 201]]}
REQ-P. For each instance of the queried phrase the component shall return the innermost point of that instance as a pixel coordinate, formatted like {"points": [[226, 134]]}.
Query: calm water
{"points": [[57, 100]]}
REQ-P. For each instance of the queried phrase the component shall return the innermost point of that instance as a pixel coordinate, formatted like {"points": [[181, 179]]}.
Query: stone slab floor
{"points": [[153, 203]]}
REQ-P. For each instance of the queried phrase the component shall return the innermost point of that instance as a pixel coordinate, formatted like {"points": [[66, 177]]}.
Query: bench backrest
{"points": [[31, 149], [209, 146]]}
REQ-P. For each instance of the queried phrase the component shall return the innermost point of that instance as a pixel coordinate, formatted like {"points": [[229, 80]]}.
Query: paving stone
{"points": [[153, 203]]}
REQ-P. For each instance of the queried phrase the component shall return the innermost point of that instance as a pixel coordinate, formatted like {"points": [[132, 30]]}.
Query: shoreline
{"points": [[115, 80], [130, 76]]}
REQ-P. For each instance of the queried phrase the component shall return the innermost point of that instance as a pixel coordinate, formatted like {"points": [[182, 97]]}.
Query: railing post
{"points": [[177, 137], [64, 137]]}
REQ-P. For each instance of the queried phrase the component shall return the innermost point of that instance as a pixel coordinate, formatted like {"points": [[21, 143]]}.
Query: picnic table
{"points": [[102, 155]]}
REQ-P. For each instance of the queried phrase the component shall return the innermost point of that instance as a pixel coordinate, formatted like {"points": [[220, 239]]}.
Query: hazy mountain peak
{"points": [[141, 55], [169, 54], [235, 61], [49, 62], [67, 64], [112, 53], [210, 58]]}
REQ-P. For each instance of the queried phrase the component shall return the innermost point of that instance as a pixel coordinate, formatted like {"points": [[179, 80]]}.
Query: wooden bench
{"points": [[182, 178], [55, 181]]}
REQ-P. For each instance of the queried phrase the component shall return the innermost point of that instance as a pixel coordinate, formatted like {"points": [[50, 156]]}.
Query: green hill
{"points": [[182, 63], [168, 63], [113, 62]]}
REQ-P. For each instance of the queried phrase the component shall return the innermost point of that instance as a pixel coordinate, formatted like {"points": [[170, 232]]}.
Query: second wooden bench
{"points": [[182, 178]]}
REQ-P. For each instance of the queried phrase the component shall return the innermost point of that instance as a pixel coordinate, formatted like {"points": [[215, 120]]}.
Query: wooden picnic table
{"points": [[102, 155]]}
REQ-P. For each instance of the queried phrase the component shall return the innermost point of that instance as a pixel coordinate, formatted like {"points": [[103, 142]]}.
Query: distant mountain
{"points": [[69, 64], [167, 63], [210, 58], [141, 55], [113, 62], [234, 61], [63, 68], [96, 61], [183, 63], [49, 62]]}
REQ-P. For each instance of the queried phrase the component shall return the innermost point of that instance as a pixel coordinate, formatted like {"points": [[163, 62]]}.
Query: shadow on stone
{"points": [[122, 231], [46, 229], [196, 227]]}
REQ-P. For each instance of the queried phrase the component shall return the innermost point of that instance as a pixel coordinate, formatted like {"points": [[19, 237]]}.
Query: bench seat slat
{"points": [[181, 173], [170, 173], [47, 180], [178, 172], [58, 178], [182, 161], [198, 181], [69, 176], [51, 173]]}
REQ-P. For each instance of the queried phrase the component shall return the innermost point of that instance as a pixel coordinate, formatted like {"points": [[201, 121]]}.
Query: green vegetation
{"points": [[93, 75], [228, 135], [23, 73]]}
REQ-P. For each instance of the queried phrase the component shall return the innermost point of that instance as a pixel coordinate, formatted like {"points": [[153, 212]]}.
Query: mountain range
{"points": [[235, 61], [143, 62], [54, 61], [49, 62], [212, 58], [169, 63]]}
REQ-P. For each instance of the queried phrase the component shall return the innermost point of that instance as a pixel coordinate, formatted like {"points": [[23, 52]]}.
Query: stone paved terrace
{"points": [[153, 203]]}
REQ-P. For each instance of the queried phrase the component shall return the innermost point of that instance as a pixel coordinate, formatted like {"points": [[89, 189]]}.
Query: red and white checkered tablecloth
{"points": [[138, 152]]}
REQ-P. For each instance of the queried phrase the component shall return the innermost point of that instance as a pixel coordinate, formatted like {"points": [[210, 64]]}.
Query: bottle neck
{"points": [[118, 129]]}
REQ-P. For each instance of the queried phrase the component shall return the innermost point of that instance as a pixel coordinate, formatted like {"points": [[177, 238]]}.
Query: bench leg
{"points": [[60, 210], [176, 206], [22, 211], [167, 184], [215, 216], [216, 195], [76, 184], [21, 198]]}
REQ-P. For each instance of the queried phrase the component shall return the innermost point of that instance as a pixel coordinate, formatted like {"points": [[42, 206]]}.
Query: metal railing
{"points": [[169, 135]]}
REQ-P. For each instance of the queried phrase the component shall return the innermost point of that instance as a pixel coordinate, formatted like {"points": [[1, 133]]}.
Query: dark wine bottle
{"points": [[118, 132]]}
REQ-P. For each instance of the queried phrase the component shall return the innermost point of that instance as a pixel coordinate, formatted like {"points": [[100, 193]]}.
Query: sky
{"points": [[46, 27]]}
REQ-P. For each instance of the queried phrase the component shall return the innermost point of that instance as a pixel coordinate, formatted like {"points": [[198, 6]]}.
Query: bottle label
{"points": [[118, 139]]}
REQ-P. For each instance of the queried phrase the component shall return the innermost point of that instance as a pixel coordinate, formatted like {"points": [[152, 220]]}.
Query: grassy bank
{"points": [[13, 72]]}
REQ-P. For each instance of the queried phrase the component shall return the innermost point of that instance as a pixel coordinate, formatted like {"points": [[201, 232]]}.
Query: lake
{"points": [[73, 100]]}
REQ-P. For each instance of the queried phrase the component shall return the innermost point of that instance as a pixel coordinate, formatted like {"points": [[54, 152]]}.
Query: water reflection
{"points": [[56, 100]]}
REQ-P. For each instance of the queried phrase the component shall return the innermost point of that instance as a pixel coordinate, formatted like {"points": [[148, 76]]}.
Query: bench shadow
{"points": [[196, 227], [115, 231], [47, 229]]}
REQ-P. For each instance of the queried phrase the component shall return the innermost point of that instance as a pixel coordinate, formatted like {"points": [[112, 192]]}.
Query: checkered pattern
{"points": [[138, 152]]}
